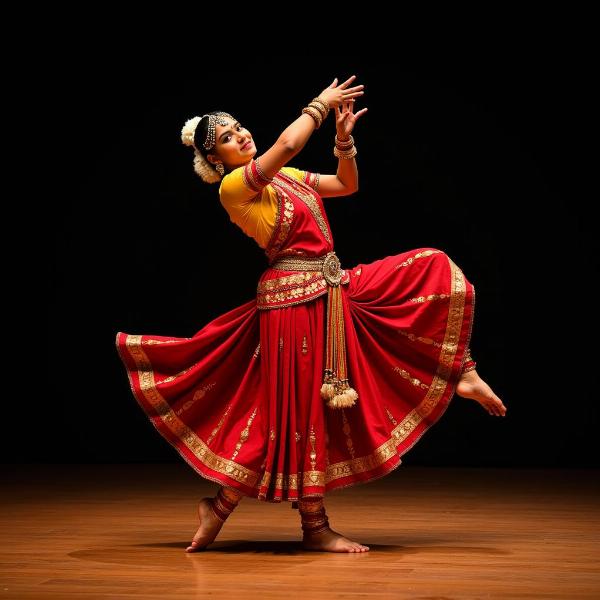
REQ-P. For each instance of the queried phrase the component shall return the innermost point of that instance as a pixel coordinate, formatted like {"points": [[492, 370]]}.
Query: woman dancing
{"points": [[329, 375]]}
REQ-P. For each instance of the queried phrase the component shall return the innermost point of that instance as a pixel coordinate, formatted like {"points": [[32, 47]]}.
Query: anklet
{"points": [[313, 516], [469, 363], [221, 506]]}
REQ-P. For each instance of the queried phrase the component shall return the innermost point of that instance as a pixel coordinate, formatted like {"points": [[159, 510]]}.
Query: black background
{"points": [[481, 153]]}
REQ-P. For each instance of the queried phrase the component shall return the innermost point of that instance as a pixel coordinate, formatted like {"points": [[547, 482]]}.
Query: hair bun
{"points": [[188, 131]]}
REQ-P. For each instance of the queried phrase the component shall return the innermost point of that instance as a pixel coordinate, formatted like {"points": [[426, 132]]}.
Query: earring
{"points": [[220, 168]]}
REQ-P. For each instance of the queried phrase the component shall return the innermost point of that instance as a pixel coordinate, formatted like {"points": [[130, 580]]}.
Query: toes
{"points": [[497, 406]]}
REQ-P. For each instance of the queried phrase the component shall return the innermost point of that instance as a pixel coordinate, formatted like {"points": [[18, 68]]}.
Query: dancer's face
{"points": [[233, 145]]}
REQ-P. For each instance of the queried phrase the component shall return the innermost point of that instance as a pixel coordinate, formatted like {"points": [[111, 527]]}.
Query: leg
{"points": [[473, 387], [213, 512], [317, 533]]}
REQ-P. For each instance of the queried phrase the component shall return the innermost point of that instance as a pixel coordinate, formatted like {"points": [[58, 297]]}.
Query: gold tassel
{"points": [[335, 388]]}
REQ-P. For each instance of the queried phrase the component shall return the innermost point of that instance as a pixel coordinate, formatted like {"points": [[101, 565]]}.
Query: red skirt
{"points": [[240, 400]]}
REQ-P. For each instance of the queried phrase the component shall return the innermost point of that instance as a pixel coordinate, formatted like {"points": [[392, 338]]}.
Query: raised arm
{"points": [[345, 181], [294, 136]]}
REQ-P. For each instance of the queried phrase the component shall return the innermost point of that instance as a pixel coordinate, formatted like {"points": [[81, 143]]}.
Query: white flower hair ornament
{"points": [[208, 172]]}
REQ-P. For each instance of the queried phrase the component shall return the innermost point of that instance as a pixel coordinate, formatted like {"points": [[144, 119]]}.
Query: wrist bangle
{"points": [[344, 144], [314, 113], [322, 103], [345, 154]]}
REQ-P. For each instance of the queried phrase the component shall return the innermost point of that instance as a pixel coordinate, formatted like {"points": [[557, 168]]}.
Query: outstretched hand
{"points": [[335, 94], [345, 119]]}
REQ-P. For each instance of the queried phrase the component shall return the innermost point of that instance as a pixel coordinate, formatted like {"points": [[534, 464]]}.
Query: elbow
{"points": [[289, 146]]}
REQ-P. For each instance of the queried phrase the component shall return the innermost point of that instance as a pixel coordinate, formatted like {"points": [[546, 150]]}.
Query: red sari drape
{"points": [[240, 400]]}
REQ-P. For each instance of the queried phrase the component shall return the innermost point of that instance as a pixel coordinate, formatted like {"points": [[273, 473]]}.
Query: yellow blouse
{"points": [[253, 213]]}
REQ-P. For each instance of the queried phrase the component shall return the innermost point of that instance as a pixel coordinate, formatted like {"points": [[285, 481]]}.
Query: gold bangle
{"points": [[345, 154], [314, 113], [321, 103], [318, 107], [344, 144]]}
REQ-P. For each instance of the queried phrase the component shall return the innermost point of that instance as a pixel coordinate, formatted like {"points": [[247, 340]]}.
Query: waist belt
{"points": [[335, 389]]}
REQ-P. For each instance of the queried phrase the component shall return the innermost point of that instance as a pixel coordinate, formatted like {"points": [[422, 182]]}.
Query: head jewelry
{"points": [[209, 173]]}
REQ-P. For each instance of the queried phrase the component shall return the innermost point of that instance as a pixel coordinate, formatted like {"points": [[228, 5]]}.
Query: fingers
{"points": [[353, 95], [347, 82], [334, 83]]}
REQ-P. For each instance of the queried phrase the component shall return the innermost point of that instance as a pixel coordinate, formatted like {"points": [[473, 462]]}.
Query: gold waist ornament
{"points": [[335, 389]]}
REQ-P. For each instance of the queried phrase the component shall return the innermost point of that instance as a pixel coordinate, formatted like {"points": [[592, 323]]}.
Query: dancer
{"points": [[329, 375]]}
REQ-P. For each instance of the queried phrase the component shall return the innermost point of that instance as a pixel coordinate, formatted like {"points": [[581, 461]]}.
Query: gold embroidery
{"points": [[150, 342], [284, 482], [410, 378], [216, 429], [313, 452], [186, 405], [425, 340], [301, 293], [297, 436], [264, 482], [257, 351], [446, 359], [272, 434], [202, 391], [412, 337], [346, 430], [430, 297], [362, 464], [280, 344], [290, 482], [244, 435], [358, 272], [295, 302], [280, 232], [391, 416], [299, 278], [198, 394], [302, 191], [170, 420], [334, 471], [410, 260], [173, 377], [304, 345]]}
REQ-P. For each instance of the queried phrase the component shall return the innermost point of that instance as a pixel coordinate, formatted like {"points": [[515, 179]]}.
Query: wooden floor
{"points": [[120, 531]]}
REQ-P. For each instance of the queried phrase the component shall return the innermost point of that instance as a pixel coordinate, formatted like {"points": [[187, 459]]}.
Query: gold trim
{"points": [[313, 453], [417, 382], [305, 193], [334, 471], [179, 429], [430, 297], [447, 355], [418, 255], [285, 210], [301, 277], [244, 434], [303, 300]]}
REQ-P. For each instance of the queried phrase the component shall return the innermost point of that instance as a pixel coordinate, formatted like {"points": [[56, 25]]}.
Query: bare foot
{"points": [[473, 387], [209, 527], [331, 541]]}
